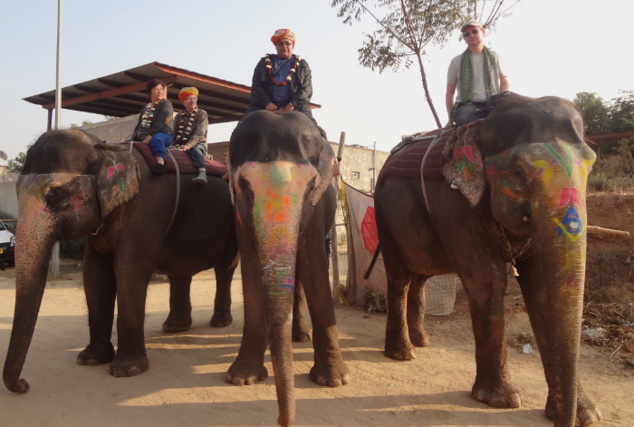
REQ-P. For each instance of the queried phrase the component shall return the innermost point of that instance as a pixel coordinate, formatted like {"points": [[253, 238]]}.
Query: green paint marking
{"points": [[566, 163]]}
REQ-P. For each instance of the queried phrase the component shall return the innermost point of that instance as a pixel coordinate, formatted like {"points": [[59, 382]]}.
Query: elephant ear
{"points": [[327, 167], [462, 163], [117, 179]]}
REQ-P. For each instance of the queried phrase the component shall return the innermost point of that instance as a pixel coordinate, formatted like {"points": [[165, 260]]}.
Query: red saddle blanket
{"points": [[184, 161], [407, 157]]}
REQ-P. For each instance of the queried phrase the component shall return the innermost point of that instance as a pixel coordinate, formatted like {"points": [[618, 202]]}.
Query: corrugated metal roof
{"points": [[123, 94]]}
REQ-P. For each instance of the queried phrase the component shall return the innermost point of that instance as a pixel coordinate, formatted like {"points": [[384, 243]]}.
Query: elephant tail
{"points": [[374, 258]]}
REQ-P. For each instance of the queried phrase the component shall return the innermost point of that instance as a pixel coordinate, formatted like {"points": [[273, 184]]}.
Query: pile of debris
{"points": [[610, 326]]}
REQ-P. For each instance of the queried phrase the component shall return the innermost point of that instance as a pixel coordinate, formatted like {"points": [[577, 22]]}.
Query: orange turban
{"points": [[187, 92], [281, 34]]}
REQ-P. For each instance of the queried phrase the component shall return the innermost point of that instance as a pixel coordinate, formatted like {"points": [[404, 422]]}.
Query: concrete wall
{"points": [[8, 199]]}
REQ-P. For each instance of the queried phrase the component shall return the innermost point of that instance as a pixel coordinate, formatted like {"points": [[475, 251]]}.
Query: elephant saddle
{"points": [[406, 159], [183, 160]]}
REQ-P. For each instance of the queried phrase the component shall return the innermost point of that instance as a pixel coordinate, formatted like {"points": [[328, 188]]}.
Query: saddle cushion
{"points": [[184, 160], [406, 158]]}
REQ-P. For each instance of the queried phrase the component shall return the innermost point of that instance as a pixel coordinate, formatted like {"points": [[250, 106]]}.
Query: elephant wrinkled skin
{"points": [[514, 192], [73, 186], [280, 174]]}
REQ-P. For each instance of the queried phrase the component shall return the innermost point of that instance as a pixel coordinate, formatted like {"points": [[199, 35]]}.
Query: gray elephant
{"points": [[511, 192], [136, 224], [280, 175]]}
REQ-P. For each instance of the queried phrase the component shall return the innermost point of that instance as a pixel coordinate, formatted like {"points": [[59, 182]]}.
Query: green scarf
{"points": [[466, 75]]}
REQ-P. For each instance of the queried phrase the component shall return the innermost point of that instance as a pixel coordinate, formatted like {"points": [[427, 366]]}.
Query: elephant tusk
{"points": [[453, 185]]}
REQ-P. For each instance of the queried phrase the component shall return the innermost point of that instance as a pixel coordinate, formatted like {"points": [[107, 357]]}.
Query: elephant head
{"points": [[529, 162], [69, 183], [280, 167]]}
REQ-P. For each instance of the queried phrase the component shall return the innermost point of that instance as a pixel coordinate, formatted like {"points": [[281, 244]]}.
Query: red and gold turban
{"points": [[187, 92], [281, 34]]}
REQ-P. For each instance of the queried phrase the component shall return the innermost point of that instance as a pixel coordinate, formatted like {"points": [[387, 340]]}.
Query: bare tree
{"points": [[408, 27]]}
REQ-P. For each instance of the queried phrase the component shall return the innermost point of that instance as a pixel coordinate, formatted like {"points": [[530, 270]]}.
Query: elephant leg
{"points": [[248, 368], [397, 337], [131, 358], [587, 412], [180, 315], [416, 312], [100, 290], [485, 289], [222, 304], [300, 330], [329, 369]]}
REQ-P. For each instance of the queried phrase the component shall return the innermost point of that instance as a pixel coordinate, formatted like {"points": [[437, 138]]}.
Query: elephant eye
{"points": [[58, 197], [245, 189], [311, 184]]}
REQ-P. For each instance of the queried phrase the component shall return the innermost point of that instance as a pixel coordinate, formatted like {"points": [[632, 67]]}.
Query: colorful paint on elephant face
{"points": [[279, 190], [564, 174]]}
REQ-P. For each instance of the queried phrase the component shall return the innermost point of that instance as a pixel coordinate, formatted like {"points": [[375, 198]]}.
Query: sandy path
{"points": [[185, 384]]}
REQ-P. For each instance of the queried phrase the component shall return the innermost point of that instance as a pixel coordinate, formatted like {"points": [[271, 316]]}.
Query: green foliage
{"points": [[622, 112], [596, 114], [16, 164], [407, 27], [83, 123], [600, 117], [615, 172]]}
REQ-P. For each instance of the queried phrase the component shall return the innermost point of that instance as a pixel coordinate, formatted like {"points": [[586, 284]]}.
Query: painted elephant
{"points": [[511, 193], [280, 176], [135, 224]]}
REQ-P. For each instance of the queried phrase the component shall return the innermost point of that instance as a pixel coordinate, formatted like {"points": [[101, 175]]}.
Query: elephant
{"points": [[508, 195], [135, 223], [280, 173]]}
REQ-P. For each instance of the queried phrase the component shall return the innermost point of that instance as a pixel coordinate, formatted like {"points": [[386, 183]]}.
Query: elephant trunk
{"points": [[556, 307], [278, 251], [34, 242], [278, 197]]}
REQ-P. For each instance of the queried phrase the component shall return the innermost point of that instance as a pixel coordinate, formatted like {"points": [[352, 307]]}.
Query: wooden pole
{"points": [[336, 297], [594, 229]]}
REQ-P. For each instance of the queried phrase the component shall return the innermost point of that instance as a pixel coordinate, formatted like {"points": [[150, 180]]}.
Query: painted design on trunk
{"points": [[278, 195], [570, 226]]}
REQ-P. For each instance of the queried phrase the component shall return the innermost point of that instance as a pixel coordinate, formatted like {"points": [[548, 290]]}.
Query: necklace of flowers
{"points": [[269, 69], [148, 115], [185, 130]]}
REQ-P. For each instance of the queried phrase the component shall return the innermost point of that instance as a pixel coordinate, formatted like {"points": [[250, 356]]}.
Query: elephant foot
{"points": [[500, 395], [129, 366], [419, 338], [301, 335], [587, 412], [220, 320], [177, 324], [332, 375], [400, 351], [91, 356], [246, 374]]}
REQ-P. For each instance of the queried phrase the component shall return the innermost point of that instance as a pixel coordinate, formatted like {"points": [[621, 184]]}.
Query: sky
{"points": [[548, 47]]}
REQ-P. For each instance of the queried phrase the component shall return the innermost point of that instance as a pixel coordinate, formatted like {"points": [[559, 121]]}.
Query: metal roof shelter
{"points": [[123, 94]]}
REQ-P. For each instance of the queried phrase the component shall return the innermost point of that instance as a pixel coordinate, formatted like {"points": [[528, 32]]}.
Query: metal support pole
{"points": [[55, 261]]}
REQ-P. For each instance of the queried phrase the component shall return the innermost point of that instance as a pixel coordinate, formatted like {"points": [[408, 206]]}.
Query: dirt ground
{"points": [[185, 384]]}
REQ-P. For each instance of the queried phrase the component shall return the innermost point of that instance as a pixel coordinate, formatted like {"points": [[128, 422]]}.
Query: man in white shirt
{"points": [[478, 74]]}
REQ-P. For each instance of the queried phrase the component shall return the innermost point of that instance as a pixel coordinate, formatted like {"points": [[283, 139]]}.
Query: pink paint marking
{"points": [[569, 196]]}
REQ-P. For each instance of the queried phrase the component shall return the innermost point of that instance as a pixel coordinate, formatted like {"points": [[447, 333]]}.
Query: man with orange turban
{"points": [[190, 131], [282, 81]]}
